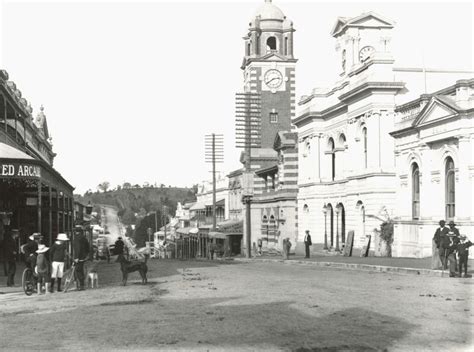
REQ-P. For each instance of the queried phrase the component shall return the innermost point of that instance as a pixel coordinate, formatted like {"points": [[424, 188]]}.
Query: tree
{"points": [[127, 185], [104, 186]]}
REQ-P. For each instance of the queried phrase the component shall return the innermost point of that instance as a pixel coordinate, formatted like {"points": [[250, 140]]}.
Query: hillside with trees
{"points": [[137, 204]]}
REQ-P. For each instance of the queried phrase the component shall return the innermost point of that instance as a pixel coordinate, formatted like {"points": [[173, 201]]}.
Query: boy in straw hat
{"points": [[42, 268], [58, 257]]}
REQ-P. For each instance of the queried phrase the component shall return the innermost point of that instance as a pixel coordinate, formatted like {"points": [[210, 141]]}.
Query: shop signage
{"points": [[20, 170]]}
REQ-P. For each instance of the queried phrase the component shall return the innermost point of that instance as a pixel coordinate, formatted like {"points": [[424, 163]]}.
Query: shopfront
{"points": [[33, 197]]}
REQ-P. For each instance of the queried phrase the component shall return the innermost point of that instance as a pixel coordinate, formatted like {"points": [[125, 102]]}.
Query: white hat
{"points": [[62, 237], [42, 248], [34, 236]]}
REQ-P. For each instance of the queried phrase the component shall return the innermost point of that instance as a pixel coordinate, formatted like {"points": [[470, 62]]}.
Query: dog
{"points": [[129, 267], [92, 276]]}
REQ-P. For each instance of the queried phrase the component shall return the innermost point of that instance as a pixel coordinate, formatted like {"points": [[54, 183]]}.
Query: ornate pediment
{"points": [[436, 110], [365, 20]]}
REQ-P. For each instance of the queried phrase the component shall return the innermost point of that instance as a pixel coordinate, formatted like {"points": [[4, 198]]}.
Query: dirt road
{"points": [[246, 307]]}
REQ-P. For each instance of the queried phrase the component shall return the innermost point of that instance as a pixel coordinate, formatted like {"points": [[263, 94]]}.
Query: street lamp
{"points": [[338, 210], [325, 211]]}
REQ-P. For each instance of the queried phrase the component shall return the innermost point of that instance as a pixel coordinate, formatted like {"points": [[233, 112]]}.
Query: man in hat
{"points": [[10, 252], [30, 248], [463, 254], [307, 242], [58, 257], [448, 247], [81, 251], [439, 235]]}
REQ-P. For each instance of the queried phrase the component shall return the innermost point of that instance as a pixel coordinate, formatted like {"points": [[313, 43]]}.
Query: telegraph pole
{"points": [[214, 147], [248, 127]]}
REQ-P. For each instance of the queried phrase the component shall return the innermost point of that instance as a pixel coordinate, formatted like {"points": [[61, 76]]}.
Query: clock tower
{"points": [[269, 69]]}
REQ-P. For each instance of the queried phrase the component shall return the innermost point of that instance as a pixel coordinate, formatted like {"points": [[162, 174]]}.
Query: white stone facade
{"points": [[346, 153], [431, 132]]}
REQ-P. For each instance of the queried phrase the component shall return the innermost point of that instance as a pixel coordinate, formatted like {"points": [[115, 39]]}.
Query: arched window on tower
{"points": [[415, 191], [271, 44], [364, 139], [450, 189], [248, 49], [286, 45]]}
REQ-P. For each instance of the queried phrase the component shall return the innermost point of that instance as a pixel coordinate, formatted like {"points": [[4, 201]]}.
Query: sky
{"points": [[130, 88]]}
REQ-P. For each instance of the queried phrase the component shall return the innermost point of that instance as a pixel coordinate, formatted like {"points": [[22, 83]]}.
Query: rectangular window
{"points": [[273, 117]]}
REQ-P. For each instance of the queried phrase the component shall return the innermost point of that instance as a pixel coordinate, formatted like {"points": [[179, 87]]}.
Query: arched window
{"points": [[286, 45], [305, 208], [271, 43], [364, 139], [415, 191], [450, 189], [333, 158], [248, 49]]}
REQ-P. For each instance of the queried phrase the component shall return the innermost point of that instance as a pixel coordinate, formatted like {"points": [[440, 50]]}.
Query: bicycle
{"points": [[69, 276], [29, 281]]}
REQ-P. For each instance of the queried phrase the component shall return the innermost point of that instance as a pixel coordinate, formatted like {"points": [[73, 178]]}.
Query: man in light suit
{"points": [[307, 243]]}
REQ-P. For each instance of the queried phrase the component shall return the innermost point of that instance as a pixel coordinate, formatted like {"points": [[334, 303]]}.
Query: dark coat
{"points": [[80, 246], [30, 248], [438, 234], [463, 248], [118, 248], [9, 249], [58, 252], [308, 240]]}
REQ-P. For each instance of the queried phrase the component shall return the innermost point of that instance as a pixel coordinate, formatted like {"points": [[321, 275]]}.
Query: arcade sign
{"points": [[20, 170]]}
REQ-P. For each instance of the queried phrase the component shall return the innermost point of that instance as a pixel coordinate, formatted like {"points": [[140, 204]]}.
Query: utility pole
{"points": [[214, 153], [248, 127], [165, 213]]}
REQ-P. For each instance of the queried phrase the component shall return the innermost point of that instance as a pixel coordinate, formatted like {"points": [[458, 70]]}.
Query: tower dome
{"points": [[268, 11]]}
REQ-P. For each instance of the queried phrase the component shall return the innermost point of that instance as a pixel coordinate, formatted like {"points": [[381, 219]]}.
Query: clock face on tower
{"points": [[365, 52], [273, 78]]}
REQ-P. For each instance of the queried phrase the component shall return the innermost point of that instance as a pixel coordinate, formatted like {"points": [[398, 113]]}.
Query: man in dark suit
{"points": [[10, 253], [439, 237], [307, 243], [81, 251]]}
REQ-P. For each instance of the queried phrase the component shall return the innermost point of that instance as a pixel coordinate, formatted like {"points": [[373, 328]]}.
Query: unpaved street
{"points": [[257, 306]]}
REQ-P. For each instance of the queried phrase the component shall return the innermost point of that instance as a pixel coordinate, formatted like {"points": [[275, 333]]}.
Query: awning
{"points": [[230, 223], [187, 230], [198, 206], [219, 235], [8, 152], [219, 202]]}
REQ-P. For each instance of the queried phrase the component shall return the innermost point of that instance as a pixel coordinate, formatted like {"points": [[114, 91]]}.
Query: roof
{"points": [[198, 206], [365, 20], [187, 230], [214, 234], [268, 11], [8, 152]]}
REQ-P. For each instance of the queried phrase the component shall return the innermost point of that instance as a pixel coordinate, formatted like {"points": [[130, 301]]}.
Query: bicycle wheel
{"points": [[69, 278], [28, 281]]}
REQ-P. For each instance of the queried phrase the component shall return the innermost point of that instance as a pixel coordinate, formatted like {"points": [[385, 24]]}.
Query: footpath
{"points": [[413, 266]]}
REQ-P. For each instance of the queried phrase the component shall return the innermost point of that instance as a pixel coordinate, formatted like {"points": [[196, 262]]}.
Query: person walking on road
{"points": [[119, 246], [81, 251], [438, 252], [58, 257], [10, 253], [307, 243]]}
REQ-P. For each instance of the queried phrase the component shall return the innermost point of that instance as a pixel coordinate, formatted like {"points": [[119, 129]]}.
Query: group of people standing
{"points": [[451, 248], [46, 263]]}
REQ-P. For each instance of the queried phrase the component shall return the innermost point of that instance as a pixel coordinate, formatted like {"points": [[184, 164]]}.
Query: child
{"points": [[42, 268], [463, 254], [58, 257]]}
